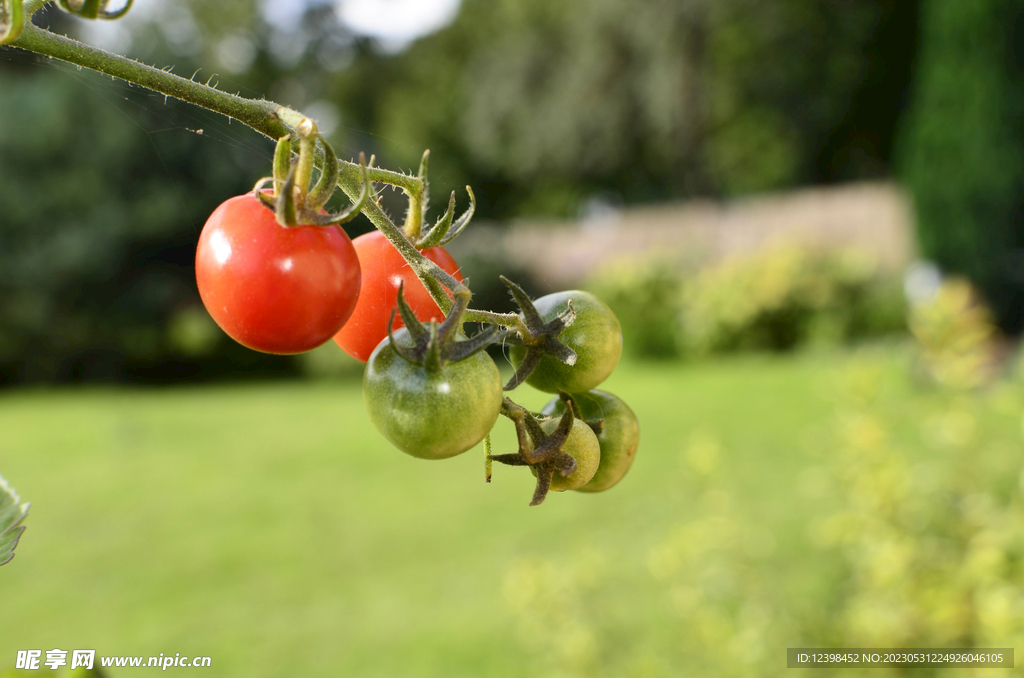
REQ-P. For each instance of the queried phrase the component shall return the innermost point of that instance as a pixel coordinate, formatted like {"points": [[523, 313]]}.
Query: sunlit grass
{"points": [[271, 528]]}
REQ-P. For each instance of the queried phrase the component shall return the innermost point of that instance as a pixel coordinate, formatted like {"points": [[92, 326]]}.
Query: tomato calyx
{"points": [[617, 440], [293, 198], [596, 425], [447, 228], [435, 345], [540, 338], [541, 451]]}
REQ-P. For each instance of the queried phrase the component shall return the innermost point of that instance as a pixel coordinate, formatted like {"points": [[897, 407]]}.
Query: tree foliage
{"points": [[550, 102], [962, 153], [537, 105], [104, 189]]}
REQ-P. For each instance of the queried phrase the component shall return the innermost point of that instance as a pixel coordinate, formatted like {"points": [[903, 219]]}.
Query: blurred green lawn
{"points": [[271, 528]]}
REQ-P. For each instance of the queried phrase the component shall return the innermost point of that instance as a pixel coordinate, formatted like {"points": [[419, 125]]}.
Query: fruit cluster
{"points": [[279, 275]]}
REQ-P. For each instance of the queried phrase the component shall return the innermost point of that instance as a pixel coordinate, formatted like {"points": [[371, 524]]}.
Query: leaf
{"points": [[12, 512]]}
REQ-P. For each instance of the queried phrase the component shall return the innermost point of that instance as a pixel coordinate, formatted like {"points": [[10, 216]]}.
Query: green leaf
{"points": [[12, 512]]}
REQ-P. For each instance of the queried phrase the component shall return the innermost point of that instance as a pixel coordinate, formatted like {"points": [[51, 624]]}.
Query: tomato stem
{"points": [[487, 457], [33, 6], [274, 121], [266, 117], [414, 216]]}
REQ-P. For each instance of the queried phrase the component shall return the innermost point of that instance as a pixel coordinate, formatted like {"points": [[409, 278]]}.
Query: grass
{"points": [[271, 528]]}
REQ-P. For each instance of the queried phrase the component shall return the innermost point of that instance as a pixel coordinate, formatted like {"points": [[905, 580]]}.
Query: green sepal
{"points": [[463, 221], [531, 317], [433, 360], [419, 334], [514, 459], [529, 363], [543, 336], [328, 181], [406, 354], [596, 425], [547, 445], [422, 174], [435, 345], [317, 219], [416, 329], [539, 450], [543, 487], [284, 209], [282, 161], [266, 199], [439, 230], [460, 350], [446, 230]]}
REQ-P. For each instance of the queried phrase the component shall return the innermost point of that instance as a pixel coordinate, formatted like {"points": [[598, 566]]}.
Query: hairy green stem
{"points": [[510, 320], [430, 274], [33, 6], [265, 117], [414, 217], [271, 120]]}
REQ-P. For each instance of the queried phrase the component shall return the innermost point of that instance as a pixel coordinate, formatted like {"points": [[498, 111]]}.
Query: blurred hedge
{"points": [[774, 300]]}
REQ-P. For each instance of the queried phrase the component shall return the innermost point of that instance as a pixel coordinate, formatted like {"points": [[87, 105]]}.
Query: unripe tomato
{"points": [[431, 416], [582, 446], [619, 439], [271, 288], [595, 335], [384, 271]]}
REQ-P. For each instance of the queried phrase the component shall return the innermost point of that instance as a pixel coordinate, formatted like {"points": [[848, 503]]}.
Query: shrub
{"points": [[646, 299], [774, 300], [914, 537], [930, 528], [955, 336], [781, 298]]}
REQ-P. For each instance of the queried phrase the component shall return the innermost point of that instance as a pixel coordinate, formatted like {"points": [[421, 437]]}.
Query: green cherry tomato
{"points": [[595, 335], [431, 416], [581, 445], [618, 440]]}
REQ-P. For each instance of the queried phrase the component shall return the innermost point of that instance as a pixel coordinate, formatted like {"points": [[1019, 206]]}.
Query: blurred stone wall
{"points": [[874, 217]]}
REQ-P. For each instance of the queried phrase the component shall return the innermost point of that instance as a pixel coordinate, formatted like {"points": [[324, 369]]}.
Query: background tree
{"points": [[963, 153], [539, 106]]}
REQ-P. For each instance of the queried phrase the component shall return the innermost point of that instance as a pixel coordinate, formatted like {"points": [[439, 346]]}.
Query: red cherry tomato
{"points": [[384, 270], [271, 288]]}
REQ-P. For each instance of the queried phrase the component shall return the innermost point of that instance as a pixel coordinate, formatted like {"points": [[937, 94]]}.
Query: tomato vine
{"points": [[433, 358]]}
